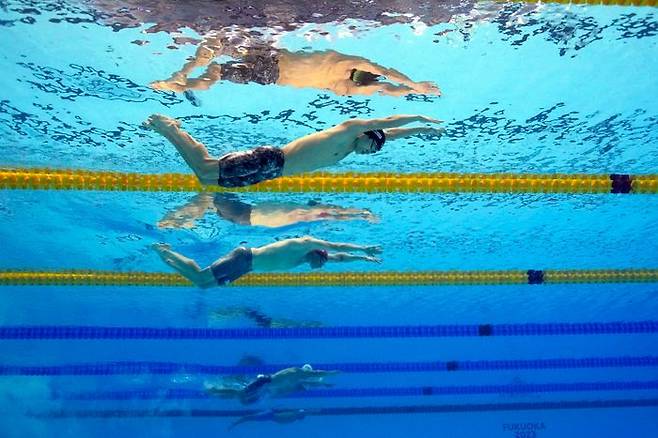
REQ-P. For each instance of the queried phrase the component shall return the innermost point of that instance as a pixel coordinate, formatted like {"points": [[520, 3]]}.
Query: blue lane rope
{"points": [[363, 410], [409, 391], [147, 367], [428, 331]]}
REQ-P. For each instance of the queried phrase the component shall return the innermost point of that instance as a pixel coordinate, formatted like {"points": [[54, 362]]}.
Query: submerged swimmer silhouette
{"points": [[264, 214], [225, 316], [312, 152], [281, 416], [278, 256], [280, 384]]}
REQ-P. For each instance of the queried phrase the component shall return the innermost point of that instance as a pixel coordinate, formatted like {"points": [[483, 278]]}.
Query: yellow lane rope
{"points": [[51, 179], [421, 278], [588, 2]]}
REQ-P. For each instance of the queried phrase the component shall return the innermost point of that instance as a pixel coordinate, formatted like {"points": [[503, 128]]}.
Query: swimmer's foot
{"points": [[177, 83], [161, 124]]}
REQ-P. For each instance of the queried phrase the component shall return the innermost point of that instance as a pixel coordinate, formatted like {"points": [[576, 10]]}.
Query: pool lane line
{"points": [[28, 332], [168, 368], [375, 182], [356, 410], [82, 277], [586, 2], [401, 391]]}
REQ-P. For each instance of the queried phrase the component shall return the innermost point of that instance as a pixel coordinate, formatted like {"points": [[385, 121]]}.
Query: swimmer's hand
{"points": [[373, 259], [373, 249], [427, 87], [427, 119], [431, 130], [160, 123]]}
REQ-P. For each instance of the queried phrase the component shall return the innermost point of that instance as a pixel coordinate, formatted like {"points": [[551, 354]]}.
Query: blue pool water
{"points": [[526, 89]]}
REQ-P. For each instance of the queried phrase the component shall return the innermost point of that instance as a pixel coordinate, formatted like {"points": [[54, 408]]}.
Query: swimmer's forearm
{"points": [[344, 246], [390, 122], [397, 133], [343, 257]]}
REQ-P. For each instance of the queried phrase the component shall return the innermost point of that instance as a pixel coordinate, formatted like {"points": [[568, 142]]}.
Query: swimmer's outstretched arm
{"points": [[358, 126], [397, 76], [397, 133], [381, 88], [343, 257], [314, 243]]}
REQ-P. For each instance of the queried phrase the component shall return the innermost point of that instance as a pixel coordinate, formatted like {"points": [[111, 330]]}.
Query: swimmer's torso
{"points": [[279, 256], [327, 69], [273, 217], [322, 149]]}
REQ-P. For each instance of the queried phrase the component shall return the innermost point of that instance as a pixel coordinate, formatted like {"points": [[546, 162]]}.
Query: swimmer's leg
{"points": [[212, 74], [193, 152], [178, 81], [186, 215], [188, 268]]}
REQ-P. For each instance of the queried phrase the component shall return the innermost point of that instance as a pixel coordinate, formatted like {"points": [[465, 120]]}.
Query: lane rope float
{"points": [[347, 410], [382, 182], [166, 368], [372, 278], [65, 332]]}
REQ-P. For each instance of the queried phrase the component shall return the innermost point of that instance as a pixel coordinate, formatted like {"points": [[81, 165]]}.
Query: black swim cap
{"points": [[378, 137]]}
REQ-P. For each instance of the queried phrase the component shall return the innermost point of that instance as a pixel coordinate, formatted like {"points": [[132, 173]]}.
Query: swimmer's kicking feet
{"points": [[278, 256], [312, 152]]}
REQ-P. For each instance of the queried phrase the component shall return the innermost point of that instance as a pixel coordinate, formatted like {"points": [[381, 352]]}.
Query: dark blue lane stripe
{"points": [[428, 331], [408, 391], [363, 410], [118, 368]]}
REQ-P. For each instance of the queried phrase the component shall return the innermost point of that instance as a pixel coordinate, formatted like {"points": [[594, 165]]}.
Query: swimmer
{"points": [[280, 384], [257, 317], [264, 214], [312, 152], [278, 256], [344, 75]]}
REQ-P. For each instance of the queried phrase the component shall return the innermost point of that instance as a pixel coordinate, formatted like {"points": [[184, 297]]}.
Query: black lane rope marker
{"points": [[621, 183]]}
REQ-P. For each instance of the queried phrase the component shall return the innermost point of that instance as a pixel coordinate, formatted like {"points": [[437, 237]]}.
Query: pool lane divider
{"points": [[321, 182], [395, 391], [343, 279], [168, 368], [30, 332], [356, 410], [586, 2]]}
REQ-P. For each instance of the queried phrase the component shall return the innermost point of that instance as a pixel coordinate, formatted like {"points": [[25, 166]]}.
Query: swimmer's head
{"points": [[317, 258], [370, 142], [307, 367]]}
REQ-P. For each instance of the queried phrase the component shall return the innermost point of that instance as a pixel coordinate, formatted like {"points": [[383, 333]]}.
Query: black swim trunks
{"points": [[232, 266], [259, 65], [239, 169], [253, 391], [232, 209]]}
